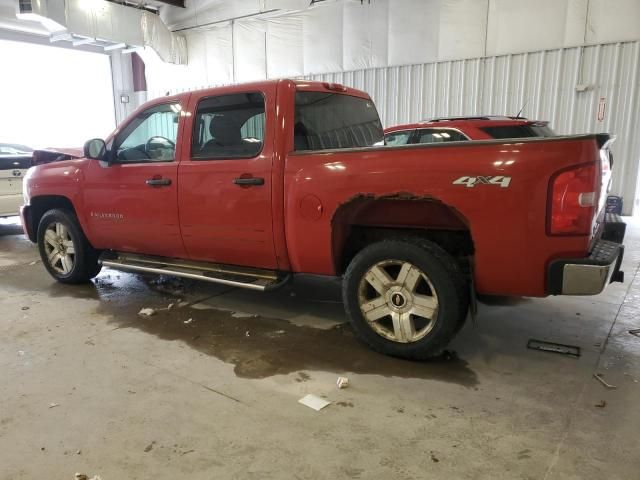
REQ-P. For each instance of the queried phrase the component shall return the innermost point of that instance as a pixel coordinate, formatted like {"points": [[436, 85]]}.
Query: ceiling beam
{"points": [[173, 3]]}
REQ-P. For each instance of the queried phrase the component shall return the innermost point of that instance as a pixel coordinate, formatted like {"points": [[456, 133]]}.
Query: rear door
{"points": [[225, 183], [132, 203]]}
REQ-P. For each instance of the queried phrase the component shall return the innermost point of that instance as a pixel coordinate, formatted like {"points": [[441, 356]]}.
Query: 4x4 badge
{"points": [[470, 182], [16, 173]]}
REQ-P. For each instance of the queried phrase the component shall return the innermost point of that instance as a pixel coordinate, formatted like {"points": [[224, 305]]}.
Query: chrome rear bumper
{"points": [[590, 275]]}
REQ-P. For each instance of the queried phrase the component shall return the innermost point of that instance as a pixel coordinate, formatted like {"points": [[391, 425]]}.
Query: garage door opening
{"points": [[54, 97]]}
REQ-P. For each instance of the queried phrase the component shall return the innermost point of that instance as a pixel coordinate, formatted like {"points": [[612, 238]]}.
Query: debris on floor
{"points": [[602, 404], [603, 382], [170, 285], [635, 331], [53, 405], [242, 315], [34, 262], [146, 312], [25, 308], [342, 382], [187, 322], [84, 476], [313, 401], [553, 347], [149, 447]]}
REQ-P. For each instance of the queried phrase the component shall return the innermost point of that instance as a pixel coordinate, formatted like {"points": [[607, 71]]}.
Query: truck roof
{"points": [[475, 121]]}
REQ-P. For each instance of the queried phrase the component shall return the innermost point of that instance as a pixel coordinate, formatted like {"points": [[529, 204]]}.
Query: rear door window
{"points": [[439, 135], [329, 120], [229, 126]]}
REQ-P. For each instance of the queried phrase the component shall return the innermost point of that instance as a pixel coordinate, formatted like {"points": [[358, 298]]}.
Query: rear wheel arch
{"points": [[366, 219]]}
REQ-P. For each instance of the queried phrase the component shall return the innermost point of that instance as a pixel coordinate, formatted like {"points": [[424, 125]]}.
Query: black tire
{"points": [[445, 278], [85, 264]]}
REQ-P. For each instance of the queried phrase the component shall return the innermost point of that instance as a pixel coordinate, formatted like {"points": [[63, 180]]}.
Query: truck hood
{"points": [[49, 155]]}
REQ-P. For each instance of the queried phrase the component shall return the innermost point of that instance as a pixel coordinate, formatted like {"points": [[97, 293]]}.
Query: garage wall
{"points": [[564, 86], [346, 35], [425, 58]]}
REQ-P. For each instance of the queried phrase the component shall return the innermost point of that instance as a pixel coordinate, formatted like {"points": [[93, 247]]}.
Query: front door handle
{"points": [[158, 182], [249, 181]]}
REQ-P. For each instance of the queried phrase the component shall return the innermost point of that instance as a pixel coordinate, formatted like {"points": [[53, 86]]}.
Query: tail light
{"points": [[573, 197]]}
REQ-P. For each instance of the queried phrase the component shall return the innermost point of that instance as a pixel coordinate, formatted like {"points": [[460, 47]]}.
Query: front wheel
{"points": [[65, 251], [405, 298]]}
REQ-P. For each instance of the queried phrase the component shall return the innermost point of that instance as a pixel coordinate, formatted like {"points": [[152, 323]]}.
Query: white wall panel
{"points": [[365, 31], [284, 47], [515, 25], [463, 29], [249, 45], [413, 31], [219, 55], [322, 39], [544, 82], [613, 21]]}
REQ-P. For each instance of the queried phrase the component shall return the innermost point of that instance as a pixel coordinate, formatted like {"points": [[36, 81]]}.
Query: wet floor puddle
{"points": [[257, 346]]}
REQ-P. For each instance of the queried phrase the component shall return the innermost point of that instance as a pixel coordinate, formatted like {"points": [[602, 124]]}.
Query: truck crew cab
{"points": [[250, 184]]}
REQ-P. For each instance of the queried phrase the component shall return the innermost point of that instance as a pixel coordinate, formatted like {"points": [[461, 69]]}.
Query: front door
{"points": [[132, 203], [224, 180]]}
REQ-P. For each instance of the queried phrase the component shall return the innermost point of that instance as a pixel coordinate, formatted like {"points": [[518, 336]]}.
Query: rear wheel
{"points": [[65, 251], [405, 298]]}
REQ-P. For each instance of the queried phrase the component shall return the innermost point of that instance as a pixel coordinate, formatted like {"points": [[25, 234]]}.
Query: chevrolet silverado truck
{"points": [[249, 185]]}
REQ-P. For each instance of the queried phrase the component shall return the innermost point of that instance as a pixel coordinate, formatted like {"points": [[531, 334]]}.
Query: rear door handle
{"points": [[249, 181], [158, 182]]}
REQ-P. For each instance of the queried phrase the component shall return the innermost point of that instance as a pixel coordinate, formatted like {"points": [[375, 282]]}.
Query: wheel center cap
{"points": [[398, 300]]}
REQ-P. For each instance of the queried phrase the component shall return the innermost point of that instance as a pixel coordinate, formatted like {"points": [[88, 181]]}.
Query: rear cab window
{"points": [[325, 120]]}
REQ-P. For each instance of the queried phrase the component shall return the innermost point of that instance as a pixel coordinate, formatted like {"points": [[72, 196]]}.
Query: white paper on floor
{"points": [[313, 401]]}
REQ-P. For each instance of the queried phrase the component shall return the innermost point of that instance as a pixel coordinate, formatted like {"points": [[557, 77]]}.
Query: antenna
{"points": [[525, 104]]}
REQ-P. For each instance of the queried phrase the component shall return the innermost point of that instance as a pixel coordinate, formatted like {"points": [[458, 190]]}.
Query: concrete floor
{"points": [[208, 390]]}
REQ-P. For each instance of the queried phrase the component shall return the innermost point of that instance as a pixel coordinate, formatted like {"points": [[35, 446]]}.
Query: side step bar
{"points": [[242, 277]]}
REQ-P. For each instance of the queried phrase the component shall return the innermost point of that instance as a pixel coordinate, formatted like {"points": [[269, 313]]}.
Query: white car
{"points": [[15, 160]]}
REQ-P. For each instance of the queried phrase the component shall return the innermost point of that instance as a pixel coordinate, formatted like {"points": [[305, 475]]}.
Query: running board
{"points": [[242, 277]]}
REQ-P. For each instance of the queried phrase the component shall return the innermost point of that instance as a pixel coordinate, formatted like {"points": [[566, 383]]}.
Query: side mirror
{"points": [[95, 149]]}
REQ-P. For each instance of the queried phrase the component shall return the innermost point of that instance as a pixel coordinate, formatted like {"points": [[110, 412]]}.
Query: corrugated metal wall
{"points": [[546, 83]]}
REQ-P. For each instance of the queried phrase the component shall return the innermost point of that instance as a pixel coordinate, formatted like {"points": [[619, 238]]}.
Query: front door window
{"points": [[150, 136]]}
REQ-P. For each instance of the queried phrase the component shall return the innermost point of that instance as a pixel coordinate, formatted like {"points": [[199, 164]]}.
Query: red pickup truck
{"points": [[248, 185]]}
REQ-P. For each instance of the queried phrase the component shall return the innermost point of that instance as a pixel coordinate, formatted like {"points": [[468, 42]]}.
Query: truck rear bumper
{"points": [[590, 275]]}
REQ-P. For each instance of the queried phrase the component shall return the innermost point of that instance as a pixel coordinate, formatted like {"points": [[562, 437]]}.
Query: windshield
{"points": [[330, 120]]}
